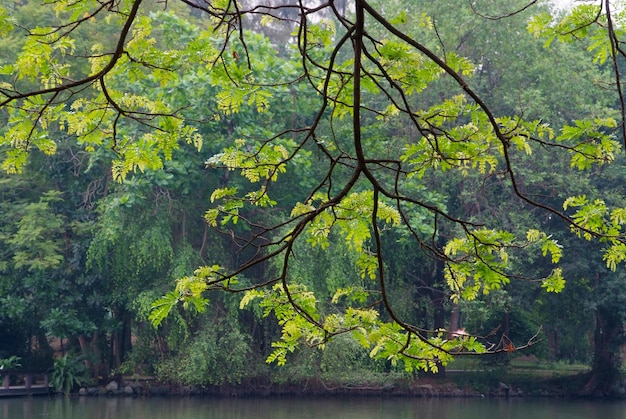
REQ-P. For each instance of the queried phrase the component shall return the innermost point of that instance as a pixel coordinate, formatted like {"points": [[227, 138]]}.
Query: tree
{"points": [[365, 72]]}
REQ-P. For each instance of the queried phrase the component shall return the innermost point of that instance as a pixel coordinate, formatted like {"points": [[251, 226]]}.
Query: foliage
{"points": [[414, 154], [68, 372], [216, 354], [345, 360], [36, 242], [11, 362]]}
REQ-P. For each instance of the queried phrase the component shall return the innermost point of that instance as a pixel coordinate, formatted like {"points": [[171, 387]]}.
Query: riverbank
{"points": [[313, 388], [455, 384]]}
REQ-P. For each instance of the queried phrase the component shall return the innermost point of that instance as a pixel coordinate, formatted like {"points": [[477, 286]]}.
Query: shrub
{"points": [[68, 371], [217, 354]]}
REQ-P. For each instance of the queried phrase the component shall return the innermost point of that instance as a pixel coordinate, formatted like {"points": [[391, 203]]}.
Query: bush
{"points": [[217, 354], [68, 372], [9, 363], [302, 365], [342, 357], [345, 360]]}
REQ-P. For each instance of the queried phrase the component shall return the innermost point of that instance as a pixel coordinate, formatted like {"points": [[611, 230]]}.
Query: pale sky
{"points": [[568, 3], [561, 4]]}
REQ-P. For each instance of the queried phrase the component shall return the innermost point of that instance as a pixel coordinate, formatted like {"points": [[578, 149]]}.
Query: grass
{"points": [[520, 365], [528, 373]]}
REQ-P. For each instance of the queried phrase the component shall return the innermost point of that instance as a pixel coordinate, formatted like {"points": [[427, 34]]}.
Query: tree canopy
{"points": [[366, 133]]}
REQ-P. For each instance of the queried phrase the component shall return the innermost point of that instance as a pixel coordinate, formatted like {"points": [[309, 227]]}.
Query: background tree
{"points": [[419, 162]]}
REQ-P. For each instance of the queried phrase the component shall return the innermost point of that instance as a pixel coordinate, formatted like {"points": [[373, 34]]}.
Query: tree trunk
{"points": [[438, 299], [455, 318], [553, 343], [606, 357], [122, 340], [91, 351]]}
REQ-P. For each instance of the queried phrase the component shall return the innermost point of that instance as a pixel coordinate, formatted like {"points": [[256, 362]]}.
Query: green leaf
{"points": [[554, 282], [161, 308]]}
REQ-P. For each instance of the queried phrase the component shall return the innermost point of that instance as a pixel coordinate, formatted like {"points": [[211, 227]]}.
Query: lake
{"points": [[301, 408]]}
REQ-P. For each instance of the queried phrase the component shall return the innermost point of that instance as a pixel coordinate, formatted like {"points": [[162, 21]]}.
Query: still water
{"points": [[301, 408]]}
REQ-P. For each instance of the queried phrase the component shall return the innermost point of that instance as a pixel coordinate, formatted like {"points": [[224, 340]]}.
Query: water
{"points": [[302, 408]]}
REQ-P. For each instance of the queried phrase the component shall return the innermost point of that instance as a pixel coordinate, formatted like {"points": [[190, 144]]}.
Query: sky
{"points": [[561, 4], [568, 3]]}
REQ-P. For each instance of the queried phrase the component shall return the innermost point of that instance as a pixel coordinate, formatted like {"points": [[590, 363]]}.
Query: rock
{"points": [[159, 390], [503, 389], [388, 387], [137, 388], [128, 390], [458, 393], [424, 389], [112, 387], [83, 392], [616, 388]]}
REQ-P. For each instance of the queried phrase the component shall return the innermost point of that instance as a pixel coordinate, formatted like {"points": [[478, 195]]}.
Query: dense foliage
{"points": [[396, 185]]}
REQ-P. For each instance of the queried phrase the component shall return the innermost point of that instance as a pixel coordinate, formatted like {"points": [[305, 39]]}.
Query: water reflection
{"points": [[303, 408]]}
